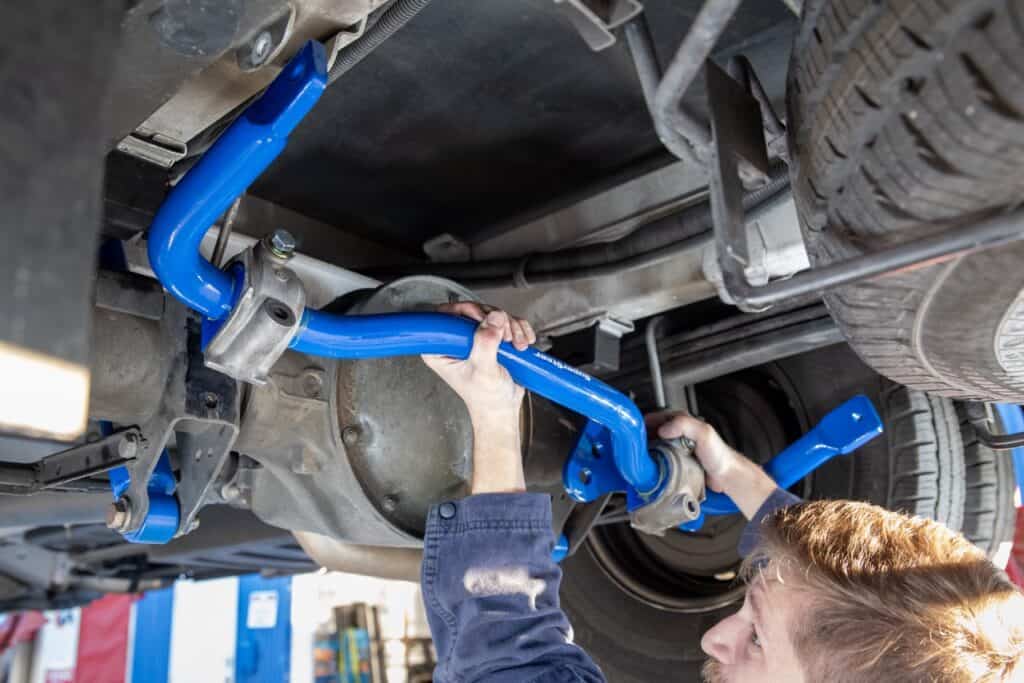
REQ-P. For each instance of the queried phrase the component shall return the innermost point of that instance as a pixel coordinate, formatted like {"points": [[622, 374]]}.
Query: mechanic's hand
{"points": [[718, 459], [483, 384], [492, 399]]}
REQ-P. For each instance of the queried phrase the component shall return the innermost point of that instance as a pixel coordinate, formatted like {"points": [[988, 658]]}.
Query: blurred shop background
{"points": [[324, 627]]}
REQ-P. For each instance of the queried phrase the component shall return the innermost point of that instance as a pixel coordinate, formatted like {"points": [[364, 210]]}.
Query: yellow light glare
{"points": [[41, 395]]}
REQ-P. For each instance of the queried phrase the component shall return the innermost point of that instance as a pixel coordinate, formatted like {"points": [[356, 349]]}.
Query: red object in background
{"points": [[103, 640], [1015, 567], [20, 628]]}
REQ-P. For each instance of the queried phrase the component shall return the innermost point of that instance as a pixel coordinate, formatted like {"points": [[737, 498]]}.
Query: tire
{"points": [[917, 466], [907, 117], [990, 516]]}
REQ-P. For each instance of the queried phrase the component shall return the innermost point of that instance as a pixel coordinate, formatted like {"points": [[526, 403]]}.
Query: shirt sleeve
{"points": [[490, 589], [779, 499]]}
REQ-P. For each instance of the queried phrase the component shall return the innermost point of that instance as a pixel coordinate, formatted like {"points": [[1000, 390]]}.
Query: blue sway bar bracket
{"points": [[612, 453], [590, 474]]}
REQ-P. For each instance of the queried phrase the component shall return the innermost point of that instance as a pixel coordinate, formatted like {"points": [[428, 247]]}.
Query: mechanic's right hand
{"points": [[485, 386], [491, 397], [718, 459]]}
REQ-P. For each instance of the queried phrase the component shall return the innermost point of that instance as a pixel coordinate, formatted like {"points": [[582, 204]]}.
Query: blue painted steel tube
{"points": [[842, 431], [238, 157], [401, 334], [244, 150]]}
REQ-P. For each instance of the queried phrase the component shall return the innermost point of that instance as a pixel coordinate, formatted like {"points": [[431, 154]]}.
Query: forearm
{"points": [[497, 455], [747, 485]]}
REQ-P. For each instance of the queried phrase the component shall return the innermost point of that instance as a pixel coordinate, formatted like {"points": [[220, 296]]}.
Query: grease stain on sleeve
{"points": [[487, 582]]}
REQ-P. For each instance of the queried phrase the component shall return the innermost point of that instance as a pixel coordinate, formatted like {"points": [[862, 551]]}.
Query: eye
{"points": [[754, 640]]}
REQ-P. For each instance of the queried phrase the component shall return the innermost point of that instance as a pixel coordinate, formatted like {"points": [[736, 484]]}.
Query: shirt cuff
{"points": [[752, 533], [491, 510]]}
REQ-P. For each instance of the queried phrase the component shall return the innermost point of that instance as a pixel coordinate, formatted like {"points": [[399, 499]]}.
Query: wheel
{"points": [[639, 604], [906, 117], [989, 513]]}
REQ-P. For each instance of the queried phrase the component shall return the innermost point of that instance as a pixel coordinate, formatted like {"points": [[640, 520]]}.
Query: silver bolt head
{"points": [[261, 48], [282, 243], [230, 492], [118, 515], [128, 446]]}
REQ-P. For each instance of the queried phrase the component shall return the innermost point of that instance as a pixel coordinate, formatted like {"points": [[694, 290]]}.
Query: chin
{"points": [[712, 672]]}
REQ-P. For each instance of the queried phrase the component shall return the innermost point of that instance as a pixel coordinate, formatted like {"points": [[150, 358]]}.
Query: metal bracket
{"points": [[264, 320], [342, 39], [129, 293], [155, 148], [734, 120], [595, 349], [200, 409], [680, 499], [63, 469], [590, 471], [267, 42], [596, 20]]}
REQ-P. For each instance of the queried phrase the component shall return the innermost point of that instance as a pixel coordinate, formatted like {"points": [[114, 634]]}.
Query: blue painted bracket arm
{"points": [[161, 524], [238, 157], [842, 431]]}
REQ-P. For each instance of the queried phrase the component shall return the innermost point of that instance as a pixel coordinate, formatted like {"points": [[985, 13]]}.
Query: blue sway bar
{"points": [[842, 431], [235, 160], [612, 453]]}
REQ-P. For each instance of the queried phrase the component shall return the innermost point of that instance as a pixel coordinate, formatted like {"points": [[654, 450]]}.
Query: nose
{"points": [[720, 640]]}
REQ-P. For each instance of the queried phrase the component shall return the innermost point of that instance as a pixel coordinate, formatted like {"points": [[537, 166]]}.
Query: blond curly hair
{"points": [[895, 598]]}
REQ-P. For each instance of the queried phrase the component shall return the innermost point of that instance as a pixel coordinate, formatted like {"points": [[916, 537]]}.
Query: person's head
{"points": [[842, 592]]}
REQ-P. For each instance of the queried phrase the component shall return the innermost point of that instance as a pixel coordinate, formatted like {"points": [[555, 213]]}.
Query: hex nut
{"points": [[281, 243]]}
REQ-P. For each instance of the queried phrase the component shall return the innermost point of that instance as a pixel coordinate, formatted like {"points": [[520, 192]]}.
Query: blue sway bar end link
{"points": [[162, 520], [842, 431]]}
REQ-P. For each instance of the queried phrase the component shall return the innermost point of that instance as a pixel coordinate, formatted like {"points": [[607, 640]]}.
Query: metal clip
{"points": [[264, 320], [679, 500]]}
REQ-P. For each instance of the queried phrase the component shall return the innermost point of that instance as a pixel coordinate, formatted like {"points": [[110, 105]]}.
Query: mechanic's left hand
{"points": [[483, 384]]}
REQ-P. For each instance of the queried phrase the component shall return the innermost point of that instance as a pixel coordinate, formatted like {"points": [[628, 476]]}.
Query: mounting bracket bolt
{"points": [[119, 515], [281, 243]]}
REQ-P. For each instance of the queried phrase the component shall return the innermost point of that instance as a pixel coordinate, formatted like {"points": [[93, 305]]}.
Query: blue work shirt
{"points": [[491, 591]]}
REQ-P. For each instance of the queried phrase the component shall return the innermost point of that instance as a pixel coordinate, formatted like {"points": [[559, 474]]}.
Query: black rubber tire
{"points": [[990, 516], [907, 117], [917, 466]]}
